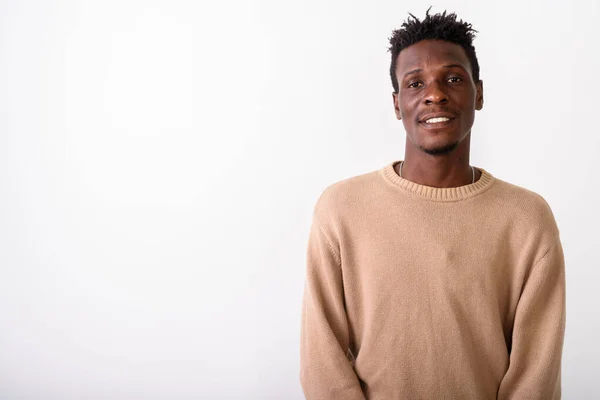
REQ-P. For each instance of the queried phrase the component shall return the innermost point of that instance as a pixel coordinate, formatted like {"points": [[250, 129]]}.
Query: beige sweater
{"points": [[415, 292]]}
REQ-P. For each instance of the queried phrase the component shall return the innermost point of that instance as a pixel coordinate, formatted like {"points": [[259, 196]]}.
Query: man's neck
{"points": [[442, 170], [438, 171]]}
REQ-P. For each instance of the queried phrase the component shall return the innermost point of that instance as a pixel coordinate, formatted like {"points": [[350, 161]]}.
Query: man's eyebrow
{"points": [[454, 65], [414, 71], [417, 70]]}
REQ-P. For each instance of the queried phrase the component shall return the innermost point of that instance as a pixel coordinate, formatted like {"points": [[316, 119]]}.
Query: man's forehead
{"points": [[428, 52]]}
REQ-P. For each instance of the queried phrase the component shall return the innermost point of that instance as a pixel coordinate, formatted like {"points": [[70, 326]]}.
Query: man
{"points": [[430, 278]]}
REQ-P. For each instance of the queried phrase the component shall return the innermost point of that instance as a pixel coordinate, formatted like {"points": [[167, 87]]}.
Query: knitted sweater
{"points": [[416, 292]]}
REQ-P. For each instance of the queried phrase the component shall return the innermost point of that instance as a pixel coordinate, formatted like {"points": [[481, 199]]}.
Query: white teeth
{"points": [[436, 120]]}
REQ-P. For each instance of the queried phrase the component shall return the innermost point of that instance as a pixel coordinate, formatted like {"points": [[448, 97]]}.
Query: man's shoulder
{"points": [[523, 203], [347, 194], [518, 194]]}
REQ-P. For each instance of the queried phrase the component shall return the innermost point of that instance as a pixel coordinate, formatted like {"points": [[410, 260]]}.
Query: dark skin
{"points": [[435, 80]]}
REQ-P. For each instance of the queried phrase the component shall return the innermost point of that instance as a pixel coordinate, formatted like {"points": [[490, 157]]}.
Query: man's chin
{"points": [[439, 150]]}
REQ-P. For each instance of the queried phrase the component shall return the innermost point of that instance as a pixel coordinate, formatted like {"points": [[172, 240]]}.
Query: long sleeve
{"points": [[325, 370], [538, 332]]}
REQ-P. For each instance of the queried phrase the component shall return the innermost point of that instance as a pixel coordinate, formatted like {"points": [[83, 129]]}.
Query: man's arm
{"points": [[538, 332], [325, 370]]}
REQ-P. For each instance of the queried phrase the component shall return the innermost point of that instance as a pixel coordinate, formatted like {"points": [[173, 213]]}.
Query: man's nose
{"points": [[435, 94]]}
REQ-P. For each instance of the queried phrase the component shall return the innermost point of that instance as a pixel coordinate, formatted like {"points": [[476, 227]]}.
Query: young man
{"points": [[430, 278]]}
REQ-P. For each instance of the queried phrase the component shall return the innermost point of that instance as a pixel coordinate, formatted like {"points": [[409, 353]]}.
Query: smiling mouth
{"points": [[437, 122]]}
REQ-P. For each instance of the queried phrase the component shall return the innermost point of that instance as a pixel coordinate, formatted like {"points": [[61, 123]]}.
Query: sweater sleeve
{"points": [[326, 372], [538, 332]]}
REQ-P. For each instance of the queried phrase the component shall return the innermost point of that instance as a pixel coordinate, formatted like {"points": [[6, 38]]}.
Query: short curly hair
{"points": [[434, 27]]}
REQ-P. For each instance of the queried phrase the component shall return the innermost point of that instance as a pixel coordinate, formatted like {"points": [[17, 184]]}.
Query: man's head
{"points": [[435, 74]]}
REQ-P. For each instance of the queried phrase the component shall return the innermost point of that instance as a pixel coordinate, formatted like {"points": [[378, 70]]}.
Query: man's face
{"points": [[435, 81]]}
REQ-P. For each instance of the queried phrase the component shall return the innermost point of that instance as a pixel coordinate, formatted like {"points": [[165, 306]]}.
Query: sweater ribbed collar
{"points": [[437, 194]]}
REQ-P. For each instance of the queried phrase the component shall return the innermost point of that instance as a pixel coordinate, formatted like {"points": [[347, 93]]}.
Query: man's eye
{"points": [[414, 84], [454, 79]]}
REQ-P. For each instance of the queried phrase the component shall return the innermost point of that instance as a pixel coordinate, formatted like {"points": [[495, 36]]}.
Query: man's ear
{"points": [[479, 98], [396, 106]]}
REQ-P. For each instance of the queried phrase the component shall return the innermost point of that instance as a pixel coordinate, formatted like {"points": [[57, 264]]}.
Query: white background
{"points": [[159, 162]]}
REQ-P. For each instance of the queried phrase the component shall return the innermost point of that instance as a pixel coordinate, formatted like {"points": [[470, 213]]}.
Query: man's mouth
{"points": [[438, 117], [436, 123], [436, 120]]}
